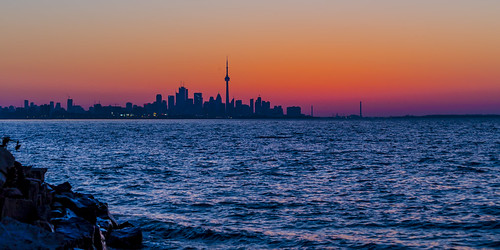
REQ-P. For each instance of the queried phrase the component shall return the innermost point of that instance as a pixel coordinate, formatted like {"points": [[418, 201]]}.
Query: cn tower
{"points": [[227, 89]]}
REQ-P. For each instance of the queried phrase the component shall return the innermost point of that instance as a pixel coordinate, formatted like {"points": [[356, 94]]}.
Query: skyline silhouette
{"points": [[179, 105]]}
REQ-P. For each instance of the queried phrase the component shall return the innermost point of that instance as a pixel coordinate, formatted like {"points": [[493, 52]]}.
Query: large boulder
{"points": [[104, 214], [77, 232], [127, 237], [6, 162], [17, 235], [11, 192], [63, 187], [83, 205], [20, 209]]}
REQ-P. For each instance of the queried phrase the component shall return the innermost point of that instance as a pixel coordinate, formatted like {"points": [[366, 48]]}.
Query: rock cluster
{"points": [[37, 215]]}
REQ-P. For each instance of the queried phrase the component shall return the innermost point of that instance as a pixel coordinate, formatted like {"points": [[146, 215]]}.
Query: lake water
{"points": [[402, 183]]}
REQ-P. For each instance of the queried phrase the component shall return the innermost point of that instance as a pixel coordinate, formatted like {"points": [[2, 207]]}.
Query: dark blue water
{"points": [[415, 183]]}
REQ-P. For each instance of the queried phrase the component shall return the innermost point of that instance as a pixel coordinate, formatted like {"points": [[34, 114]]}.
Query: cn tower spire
{"points": [[227, 88]]}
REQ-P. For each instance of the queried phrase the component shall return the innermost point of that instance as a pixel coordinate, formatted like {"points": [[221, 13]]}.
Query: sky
{"points": [[398, 57]]}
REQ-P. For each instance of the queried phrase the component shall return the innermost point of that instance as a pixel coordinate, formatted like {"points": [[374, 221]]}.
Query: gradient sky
{"points": [[398, 57]]}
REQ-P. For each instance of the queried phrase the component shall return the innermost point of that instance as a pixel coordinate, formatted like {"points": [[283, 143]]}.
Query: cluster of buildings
{"points": [[179, 105], [175, 106]]}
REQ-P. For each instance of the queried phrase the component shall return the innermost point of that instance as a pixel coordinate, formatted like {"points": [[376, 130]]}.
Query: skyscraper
{"points": [[181, 97], [258, 106], [227, 88], [171, 104], [251, 106], [198, 102], [69, 105], [158, 108]]}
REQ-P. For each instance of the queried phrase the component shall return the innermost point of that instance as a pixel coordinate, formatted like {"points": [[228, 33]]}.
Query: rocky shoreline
{"points": [[37, 215]]}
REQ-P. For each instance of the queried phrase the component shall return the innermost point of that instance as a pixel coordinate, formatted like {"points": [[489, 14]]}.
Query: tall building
{"points": [[163, 108], [258, 106], [265, 108], [251, 106], [26, 104], [181, 97], [171, 104], [69, 105], [219, 107], [158, 105], [227, 87], [198, 102]]}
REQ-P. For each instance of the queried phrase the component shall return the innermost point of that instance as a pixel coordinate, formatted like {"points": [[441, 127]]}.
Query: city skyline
{"points": [[399, 58], [177, 105]]}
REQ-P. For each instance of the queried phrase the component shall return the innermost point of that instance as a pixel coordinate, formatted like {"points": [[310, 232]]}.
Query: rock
{"points": [[64, 187], [105, 225], [37, 173], [83, 205], [47, 193], [103, 213], [45, 225], [19, 209], [99, 239], [34, 190], [57, 212], [12, 193], [125, 224], [59, 217], [128, 237], [56, 204], [77, 232], [6, 162], [17, 235], [43, 212]]}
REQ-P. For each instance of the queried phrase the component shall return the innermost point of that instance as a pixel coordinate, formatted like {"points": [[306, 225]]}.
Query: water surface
{"points": [[412, 183]]}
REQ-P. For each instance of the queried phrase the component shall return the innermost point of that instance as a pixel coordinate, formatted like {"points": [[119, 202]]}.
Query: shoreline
{"points": [[342, 118]]}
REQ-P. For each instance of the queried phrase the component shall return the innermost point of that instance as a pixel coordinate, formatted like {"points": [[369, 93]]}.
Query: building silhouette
{"points": [[171, 104], [294, 112], [69, 105], [179, 105]]}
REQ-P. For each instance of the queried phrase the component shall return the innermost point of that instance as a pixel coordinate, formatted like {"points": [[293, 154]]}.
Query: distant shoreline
{"points": [[268, 118]]}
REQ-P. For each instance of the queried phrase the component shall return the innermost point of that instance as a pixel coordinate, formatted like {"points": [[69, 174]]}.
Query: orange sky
{"points": [[398, 57]]}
